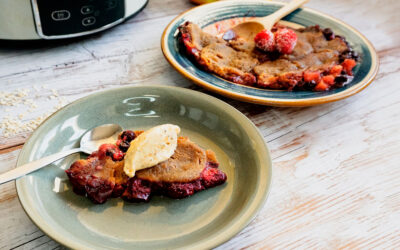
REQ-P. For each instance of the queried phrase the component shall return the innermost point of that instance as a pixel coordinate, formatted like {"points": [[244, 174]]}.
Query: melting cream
{"points": [[151, 147]]}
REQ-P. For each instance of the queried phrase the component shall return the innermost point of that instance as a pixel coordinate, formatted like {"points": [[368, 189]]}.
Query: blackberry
{"points": [[348, 54], [124, 146], [340, 81], [310, 85], [128, 136], [328, 34]]}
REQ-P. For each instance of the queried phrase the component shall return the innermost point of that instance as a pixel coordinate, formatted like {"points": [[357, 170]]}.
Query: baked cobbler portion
{"points": [[101, 176], [318, 61]]}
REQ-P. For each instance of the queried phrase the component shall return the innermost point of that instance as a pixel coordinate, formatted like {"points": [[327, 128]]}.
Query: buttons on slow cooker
{"points": [[64, 17], [87, 9], [89, 21], [60, 15]]}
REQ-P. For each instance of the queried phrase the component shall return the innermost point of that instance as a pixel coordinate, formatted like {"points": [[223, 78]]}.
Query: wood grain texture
{"points": [[336, 166]]}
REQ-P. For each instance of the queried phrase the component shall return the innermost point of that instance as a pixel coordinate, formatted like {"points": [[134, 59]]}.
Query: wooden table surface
{"points": [[336, 181]]}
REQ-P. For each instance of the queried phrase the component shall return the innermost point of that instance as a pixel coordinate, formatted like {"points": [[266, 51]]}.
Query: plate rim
{"points": [[228, 232], [279, 102]]}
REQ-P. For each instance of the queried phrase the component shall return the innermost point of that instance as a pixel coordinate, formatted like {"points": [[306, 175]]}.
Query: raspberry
{"points": [[285, 40], [265, 41]]}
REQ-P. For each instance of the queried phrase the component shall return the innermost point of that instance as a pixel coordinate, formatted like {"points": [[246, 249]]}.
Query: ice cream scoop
{"points": [[151, 147]]}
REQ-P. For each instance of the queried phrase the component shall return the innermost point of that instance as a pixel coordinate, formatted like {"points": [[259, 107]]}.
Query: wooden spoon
{"points": [[248, 30]]}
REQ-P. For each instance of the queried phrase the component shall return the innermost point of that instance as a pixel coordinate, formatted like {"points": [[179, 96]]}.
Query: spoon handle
{"points": [[270, 20], [34, 165]]}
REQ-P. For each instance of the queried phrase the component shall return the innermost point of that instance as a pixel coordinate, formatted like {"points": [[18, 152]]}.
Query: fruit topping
{"points": [[348, 65], [128, 135], [336, 70], [340, 81], [110, 150], [285, 40], [265, 41], [329, 79], [328, 34], [321, 86], [125, 139], [312, 76]]}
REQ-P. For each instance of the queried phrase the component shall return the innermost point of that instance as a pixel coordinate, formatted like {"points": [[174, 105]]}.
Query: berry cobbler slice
{"points": [[288, 59], [101, 176]]}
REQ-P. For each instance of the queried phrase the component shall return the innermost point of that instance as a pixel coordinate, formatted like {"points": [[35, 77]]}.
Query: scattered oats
{"points": [[12, 98], [22, 92], [44, 86], [13, 125]]}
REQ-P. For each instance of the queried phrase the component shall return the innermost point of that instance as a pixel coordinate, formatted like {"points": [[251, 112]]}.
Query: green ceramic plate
{"points": [[207, 14], [202, 221]]}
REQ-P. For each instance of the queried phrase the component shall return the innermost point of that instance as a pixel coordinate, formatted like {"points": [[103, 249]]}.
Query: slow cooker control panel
{"points": [[63, 17]]}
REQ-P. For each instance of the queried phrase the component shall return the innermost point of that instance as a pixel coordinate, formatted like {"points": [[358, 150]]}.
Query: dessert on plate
{"points": [[141, 164], [308, 58]]}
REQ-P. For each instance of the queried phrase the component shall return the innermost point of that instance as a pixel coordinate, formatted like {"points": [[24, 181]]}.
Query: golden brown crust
{"points": [[185, 165], [211, 157], [228, 63]]}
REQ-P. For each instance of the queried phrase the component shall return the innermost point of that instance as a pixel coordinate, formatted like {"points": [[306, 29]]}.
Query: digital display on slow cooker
{"points": [[63, 17]]}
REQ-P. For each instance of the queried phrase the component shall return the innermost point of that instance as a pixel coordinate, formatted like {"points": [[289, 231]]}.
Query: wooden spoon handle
{"points": [[270, 20]]}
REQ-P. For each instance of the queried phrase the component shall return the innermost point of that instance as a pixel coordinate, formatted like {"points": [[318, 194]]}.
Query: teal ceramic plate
{"points": [[207, 14], [202, 221]]}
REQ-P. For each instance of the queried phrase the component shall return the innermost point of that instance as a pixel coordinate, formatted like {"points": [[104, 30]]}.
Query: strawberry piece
{"points": [[336, 70], [329, 79], [348, 65], [310, 76], [285, 40], [265, 41], [321, 86]]}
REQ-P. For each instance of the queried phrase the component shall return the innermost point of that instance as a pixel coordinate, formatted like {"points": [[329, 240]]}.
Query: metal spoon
{"points": [[248, 30], [90, 142]]}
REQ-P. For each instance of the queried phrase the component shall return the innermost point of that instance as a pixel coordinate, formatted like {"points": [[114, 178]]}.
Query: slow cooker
{"points": [[55, 19]]}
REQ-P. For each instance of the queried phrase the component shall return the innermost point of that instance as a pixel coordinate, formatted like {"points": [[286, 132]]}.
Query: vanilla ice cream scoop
{"points": [[151, 147]]}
